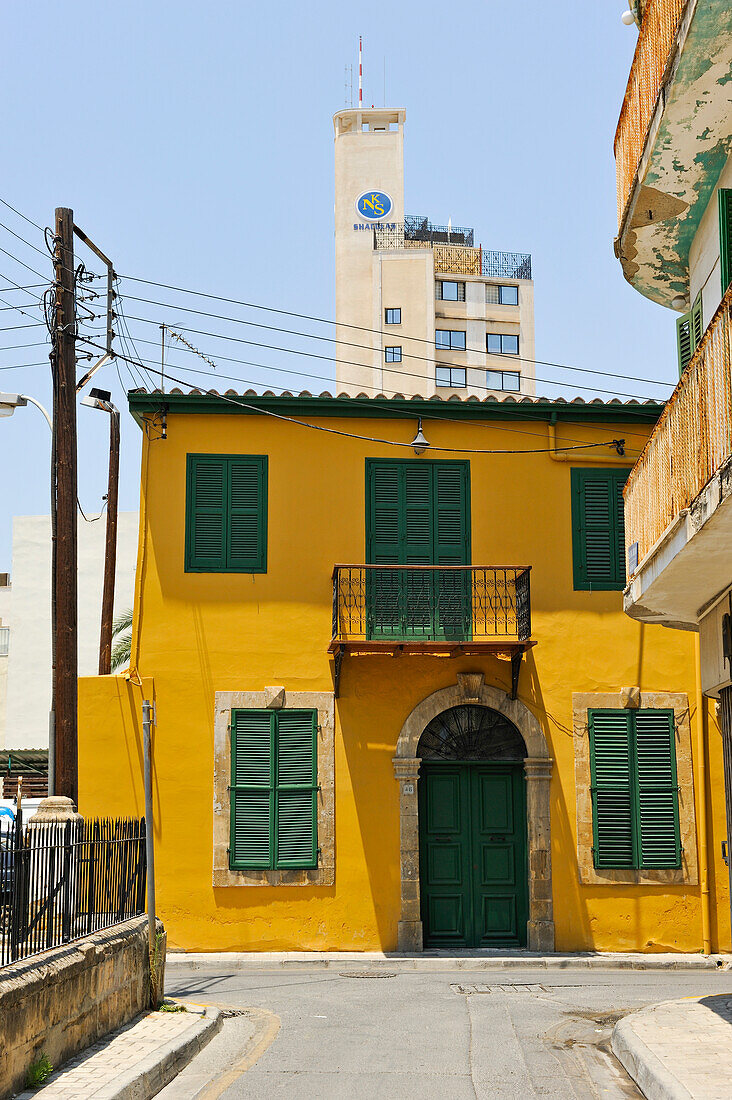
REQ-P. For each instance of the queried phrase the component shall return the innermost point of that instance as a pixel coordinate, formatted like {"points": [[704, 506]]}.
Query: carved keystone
{"points": [[274, 698], [630, 697], [470, 684]]}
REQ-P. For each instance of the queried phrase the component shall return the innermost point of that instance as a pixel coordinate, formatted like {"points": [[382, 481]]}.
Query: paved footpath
{"points": [[679, 1050], [399, 1032], [134, 1061]]}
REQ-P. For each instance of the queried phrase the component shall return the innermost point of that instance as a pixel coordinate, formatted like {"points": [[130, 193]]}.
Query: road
{"points": [[504, 1034]]}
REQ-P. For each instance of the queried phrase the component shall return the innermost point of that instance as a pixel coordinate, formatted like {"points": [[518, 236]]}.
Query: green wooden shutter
{"points": [[252, 789], [206, 513], [598, 529], [383, 546], [453, 588], [725, 236], [418, 549], [657, 800], [683, 341], [612, 788], [246, 549], [697, 323], [296, 789]]}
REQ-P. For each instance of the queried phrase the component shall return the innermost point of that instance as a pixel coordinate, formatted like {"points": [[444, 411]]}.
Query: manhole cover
{"points": [[368, 974], [511, 988]]}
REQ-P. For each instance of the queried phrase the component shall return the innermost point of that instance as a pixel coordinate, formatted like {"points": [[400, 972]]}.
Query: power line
{"points": [[19, 238], [23, 216], [22, 366], [22, 264], [342, 324], [350, 362]]}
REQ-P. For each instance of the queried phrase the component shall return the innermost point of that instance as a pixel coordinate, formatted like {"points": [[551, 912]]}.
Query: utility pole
{"points": [[110, 551], [65, 552]]}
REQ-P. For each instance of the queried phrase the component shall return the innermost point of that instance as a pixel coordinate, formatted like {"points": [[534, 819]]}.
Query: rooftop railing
{"points": [[430, 603], [691, 441], [456, 258], [661, 20]]}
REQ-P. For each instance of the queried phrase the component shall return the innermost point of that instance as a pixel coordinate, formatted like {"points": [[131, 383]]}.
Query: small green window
{"points": [[689, 329], [226, 514], [725, 236], [274, 813], [635, 800], [598, 529]]}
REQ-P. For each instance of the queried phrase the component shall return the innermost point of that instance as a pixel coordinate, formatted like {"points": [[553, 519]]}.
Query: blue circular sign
{"points": [[374, 205]]}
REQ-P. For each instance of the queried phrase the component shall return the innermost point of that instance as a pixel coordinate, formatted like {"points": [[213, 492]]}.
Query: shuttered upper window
{"points": [[635, 803], [689, 330], [598, 529], [725, 236], [273, 789], [226, 514]]}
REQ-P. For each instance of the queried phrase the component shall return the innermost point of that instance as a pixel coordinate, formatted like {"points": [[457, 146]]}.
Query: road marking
{"points": [[267, 1027]]}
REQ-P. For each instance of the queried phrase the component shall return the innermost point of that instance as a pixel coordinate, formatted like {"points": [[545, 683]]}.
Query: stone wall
{"points": [[59, 1002]]}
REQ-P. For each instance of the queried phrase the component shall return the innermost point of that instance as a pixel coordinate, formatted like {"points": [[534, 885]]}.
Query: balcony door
{"points": [[418, 514]]}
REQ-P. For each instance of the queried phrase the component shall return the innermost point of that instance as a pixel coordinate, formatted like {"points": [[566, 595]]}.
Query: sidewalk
{"points": [[134, 1062], [487, 959], [679, 1050]]}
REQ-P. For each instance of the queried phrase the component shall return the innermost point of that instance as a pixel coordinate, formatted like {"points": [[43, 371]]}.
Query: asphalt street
{"points": [[448, 1033]]}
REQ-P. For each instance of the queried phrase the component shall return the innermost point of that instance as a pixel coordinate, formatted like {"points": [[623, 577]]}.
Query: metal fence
{"points": [[430, 603], [661, 20], [452, 256], [417, 228], [61, 882], [691, 441]]}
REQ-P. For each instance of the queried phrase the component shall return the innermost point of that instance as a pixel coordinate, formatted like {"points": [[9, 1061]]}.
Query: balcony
{"points": [[448, 610], [453, 256], [678, 498], [672, 140]]}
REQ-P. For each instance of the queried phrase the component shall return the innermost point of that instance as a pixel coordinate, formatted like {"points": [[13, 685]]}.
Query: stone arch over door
{"points": [[470, 688]]}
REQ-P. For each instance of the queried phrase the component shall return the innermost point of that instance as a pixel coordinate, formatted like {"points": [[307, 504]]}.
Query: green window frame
{"points": [[273, 793], [226, 514], [725, 236], [634, 787], [689, 331], [598, 529]]}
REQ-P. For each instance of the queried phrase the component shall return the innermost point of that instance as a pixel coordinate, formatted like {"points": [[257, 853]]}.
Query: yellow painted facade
{"points": [[196, 634]]}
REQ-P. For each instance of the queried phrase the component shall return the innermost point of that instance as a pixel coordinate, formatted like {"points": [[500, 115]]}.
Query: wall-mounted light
{"points": [[419, 442]]}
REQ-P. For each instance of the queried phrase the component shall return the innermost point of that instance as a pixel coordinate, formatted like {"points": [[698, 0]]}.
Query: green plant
{"points": [[171, 1006], [38, 1072], [155, 968], [122, 639]]}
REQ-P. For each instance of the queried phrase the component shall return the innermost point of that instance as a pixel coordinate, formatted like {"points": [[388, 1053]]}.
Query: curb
{"points": [[183, 962], [158, 1069], [652, 1077]]}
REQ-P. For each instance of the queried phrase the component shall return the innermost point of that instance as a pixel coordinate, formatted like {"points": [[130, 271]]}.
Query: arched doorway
{"points": [[472, 830], [537, 766]]}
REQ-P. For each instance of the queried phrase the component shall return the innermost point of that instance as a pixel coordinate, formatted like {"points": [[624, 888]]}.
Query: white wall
{"points": [[704, 264], [29, 661]]}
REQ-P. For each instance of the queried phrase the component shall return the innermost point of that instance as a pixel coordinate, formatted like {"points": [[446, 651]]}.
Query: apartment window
{"points": [[725, 236], [453, 377], [448, 339], [496, 295], [4, 641], [274, 813], [689, 330], [509, 380], [447, 290], [598, 529], [501, 343], [393, 355], [635, 803], [393, 316], [226, 514]]}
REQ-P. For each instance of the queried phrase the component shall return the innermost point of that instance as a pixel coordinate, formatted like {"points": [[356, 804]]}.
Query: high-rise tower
{"points": [[419, 307]]}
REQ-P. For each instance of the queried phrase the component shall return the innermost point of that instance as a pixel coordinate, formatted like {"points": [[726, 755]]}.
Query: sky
{"points": [[194, 144]]}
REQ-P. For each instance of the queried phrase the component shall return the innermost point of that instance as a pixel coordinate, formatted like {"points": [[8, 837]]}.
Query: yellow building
{"points": [[397, 701]]}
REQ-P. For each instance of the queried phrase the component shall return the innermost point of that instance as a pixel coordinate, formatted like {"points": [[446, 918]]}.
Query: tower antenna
{"points": [[360, 73]]}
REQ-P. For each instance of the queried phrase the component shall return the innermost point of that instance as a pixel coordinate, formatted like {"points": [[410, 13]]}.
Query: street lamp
{"points": [[9, 402], [102, 399]]}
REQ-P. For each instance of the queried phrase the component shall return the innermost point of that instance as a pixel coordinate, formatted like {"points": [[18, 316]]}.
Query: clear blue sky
{"points": [[194, 144]]}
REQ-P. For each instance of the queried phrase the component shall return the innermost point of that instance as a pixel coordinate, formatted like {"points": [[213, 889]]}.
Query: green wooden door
{"points": [[418, 513], [472, 828]]}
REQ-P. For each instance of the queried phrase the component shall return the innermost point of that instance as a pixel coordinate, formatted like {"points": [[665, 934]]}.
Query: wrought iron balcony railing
{"points": [[452, 255], [657, 34], [690, 442], [430, 603]]}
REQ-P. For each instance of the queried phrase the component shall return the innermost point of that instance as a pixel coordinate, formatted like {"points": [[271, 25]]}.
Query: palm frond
{"points": [[121, 650], [122, 622]]}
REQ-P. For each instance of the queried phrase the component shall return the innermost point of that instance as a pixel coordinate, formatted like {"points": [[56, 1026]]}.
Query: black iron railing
{"points": [[417, 228], [61, 882], [453, 254], [431, 603]]}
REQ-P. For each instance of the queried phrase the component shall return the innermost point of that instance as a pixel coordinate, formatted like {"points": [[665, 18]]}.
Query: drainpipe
{"points": [[701, 786], [573, 456]]}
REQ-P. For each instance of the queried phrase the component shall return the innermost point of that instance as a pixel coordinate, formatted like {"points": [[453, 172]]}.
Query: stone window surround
{"points": [[274, 698], [470, 688], [633, 699]]}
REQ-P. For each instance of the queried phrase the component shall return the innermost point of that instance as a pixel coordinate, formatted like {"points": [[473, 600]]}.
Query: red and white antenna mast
{"points": [[360, 74]]}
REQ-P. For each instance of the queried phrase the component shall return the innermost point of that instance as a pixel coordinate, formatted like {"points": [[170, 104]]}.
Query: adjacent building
{"points": [[674, 173], [420, 308]]}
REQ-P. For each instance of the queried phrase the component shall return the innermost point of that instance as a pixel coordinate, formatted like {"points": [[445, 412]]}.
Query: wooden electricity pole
{"points": [[110, 554], [64, 419]]}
